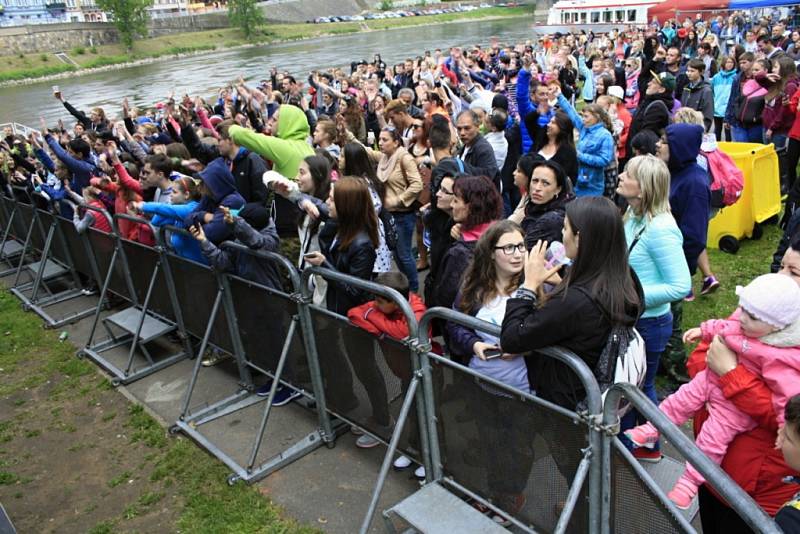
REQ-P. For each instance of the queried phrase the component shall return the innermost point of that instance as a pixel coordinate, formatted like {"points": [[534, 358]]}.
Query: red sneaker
{"points": [[647, 455]]}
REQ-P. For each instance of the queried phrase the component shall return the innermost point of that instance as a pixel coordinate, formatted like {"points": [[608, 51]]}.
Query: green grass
{"points": [[174, 473], [22, 66]]}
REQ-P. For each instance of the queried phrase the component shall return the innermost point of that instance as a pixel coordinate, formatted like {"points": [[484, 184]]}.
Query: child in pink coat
{"points": [[766, 338]]}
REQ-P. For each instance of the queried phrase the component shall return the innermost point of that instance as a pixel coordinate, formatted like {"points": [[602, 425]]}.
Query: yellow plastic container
{"points": [[760, 200]]}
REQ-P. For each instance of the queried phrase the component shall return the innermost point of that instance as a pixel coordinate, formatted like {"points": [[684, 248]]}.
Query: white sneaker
{"points": [[356, 431], [402, 462], [419, 472], [367, 442]]}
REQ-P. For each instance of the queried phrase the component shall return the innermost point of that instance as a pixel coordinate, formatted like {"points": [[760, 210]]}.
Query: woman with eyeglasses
{"points": [[475, 205], [495, 272]]}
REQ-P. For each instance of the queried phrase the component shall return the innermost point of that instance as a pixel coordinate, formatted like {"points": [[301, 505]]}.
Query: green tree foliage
{"points": [[129, 16], [246, 15]]}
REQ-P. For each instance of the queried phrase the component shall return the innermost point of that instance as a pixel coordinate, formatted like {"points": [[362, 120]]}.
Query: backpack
{"points": [[751, 103], [727, 180], [623, 360], [389, 228]]}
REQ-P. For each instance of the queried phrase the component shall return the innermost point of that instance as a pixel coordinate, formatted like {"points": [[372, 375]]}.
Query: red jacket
{"points": [[371, 319], [794, 131], [129, 230], [752, 460]]}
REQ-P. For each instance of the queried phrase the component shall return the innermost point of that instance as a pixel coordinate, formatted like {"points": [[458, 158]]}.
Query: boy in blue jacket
{"points": [[217, 189]]}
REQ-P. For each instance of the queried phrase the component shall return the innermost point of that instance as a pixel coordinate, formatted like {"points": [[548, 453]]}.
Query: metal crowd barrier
{"points": [[562, 470], [256, 317], [151, 316]]}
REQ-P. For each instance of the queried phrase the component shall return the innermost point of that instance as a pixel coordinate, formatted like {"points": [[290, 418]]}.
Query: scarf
{"points": [[387, 164]]}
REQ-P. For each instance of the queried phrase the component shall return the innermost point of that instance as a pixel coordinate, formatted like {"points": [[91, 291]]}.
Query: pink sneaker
{"points": [[683, 493], [645, 435]]}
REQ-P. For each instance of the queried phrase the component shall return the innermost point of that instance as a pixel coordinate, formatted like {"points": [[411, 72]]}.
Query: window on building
{"points": [[606, 16], [595, 17], [583, 17], [631, 15]]}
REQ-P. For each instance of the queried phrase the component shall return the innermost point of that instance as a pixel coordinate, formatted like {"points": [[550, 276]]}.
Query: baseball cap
{"points": [[665, 80], [616, 91]]}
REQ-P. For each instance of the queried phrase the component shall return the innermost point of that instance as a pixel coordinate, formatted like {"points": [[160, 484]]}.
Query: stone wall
{"points": [[64, 37]]}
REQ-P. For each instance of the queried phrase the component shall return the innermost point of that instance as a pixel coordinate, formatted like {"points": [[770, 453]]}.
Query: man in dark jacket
{"points": [[247, 168], [690, 202], [654, 109], [476, 151], [697, 94]]}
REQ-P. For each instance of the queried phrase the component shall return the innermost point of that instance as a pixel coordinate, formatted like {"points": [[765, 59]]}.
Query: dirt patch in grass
{"points": [[77, 456]]}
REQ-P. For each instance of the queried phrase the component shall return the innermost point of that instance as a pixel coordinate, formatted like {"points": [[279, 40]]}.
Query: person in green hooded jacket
{"points": [[285, 148]]}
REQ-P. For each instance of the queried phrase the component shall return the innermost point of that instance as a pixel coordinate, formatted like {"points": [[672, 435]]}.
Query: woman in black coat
{"points": [[547, 189], [348, 246]]}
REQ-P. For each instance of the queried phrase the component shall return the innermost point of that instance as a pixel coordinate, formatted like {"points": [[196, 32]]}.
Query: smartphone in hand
{"points": [[491, 354]]}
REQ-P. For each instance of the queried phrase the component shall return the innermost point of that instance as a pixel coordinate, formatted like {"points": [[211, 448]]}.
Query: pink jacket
{"points": [[775, 357]]}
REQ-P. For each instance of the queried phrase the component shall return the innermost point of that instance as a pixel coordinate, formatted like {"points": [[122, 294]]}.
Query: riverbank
{"points": [[25, 69]]}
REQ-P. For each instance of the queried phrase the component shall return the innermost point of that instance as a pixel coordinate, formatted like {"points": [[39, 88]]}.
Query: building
{"points": [[168, 8], [84, 11], [19, 12]]}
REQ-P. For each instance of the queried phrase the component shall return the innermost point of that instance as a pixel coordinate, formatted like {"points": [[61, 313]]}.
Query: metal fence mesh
{"points": [[629, 494], [365, 378], [518, 454]]}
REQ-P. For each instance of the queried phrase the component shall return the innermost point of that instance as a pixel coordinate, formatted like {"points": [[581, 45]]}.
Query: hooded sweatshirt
{"points": [[220, 182], [721, 84], [287, 148], [689, 195], [700, 97]]}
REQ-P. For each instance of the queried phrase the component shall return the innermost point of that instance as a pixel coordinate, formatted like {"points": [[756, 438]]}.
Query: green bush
{"points": [[79, 50], [44, 58], [93, 50], [386, 5]]}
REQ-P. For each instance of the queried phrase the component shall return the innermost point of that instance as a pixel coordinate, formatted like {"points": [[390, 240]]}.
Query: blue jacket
{"points": [[689, 195], [80, 169], [595, 151], [657, 260], [525, 106], [174, 214], [220, 182], [721, 84], [588, 85]]}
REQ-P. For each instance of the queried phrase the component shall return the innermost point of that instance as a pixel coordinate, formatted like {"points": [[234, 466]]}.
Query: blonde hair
{"points": [[688, 116], [653, 177]]}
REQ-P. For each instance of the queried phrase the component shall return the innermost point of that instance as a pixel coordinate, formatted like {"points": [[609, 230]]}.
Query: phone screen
{"points": [[491, 354]]}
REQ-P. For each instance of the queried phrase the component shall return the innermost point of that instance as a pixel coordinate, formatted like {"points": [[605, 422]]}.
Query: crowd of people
{"points": [[560, 187]]}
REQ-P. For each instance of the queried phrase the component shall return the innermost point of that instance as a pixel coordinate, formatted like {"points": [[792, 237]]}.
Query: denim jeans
{"points": [[655, 331], [405, 223], [753, 134]]}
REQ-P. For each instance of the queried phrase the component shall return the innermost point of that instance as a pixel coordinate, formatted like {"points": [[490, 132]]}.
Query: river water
{"points": [[204, 74]]}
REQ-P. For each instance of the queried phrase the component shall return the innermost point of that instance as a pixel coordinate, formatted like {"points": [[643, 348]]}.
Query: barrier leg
{"points": [[574, 492], [199, 360], [595, 480], [272, 390], [309, 342], [138, 332], [387, 459]]}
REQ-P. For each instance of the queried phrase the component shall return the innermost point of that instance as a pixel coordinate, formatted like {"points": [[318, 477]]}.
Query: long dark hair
{"points": [[480, 278], [480, 194], [354, 211], [601, 265], [566, 135], [357, 163], [319, 168]]}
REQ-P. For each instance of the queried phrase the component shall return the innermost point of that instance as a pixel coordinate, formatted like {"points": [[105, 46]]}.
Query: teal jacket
{"points": [[596, 150], [721, 84], [658, 260]]}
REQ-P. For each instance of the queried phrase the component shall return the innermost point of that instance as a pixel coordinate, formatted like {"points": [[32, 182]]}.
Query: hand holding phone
{"points": [[491, 354]]}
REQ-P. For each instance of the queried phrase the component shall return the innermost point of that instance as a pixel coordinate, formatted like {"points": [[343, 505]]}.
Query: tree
{"points": [[129, 16], [246, 15]]}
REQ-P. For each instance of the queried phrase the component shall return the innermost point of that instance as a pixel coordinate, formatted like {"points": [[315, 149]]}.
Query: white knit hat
{"points": [[772, 298]]}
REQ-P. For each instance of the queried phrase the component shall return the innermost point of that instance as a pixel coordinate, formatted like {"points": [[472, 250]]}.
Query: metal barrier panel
{"points": [[365, 378], [76, 251], [264, 316], [103, 246], [196, 289], [26, 220], [634, 506], [142, 260], [518, 454]]}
